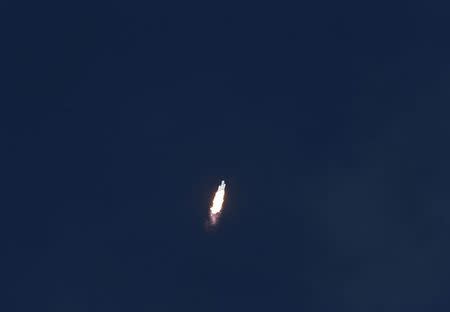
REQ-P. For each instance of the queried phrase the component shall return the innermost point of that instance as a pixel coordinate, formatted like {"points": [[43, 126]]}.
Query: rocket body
{"points": [[222, 186]]}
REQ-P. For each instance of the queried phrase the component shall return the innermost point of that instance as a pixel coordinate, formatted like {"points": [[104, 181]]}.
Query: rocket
{"points": [[222, 186]]}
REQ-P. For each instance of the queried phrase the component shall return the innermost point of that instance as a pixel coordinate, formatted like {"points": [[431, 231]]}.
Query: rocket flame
{"points": [[216, 208]]}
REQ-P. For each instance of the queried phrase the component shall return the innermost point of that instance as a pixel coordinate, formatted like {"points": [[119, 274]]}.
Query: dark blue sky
{"points": [[329, 122]]}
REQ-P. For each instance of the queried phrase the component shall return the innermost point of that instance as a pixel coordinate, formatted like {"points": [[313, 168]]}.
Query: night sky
{"points": [[329, 122]]}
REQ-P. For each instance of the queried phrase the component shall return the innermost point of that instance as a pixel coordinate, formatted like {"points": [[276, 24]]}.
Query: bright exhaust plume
{"points": [[216, 208]]}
